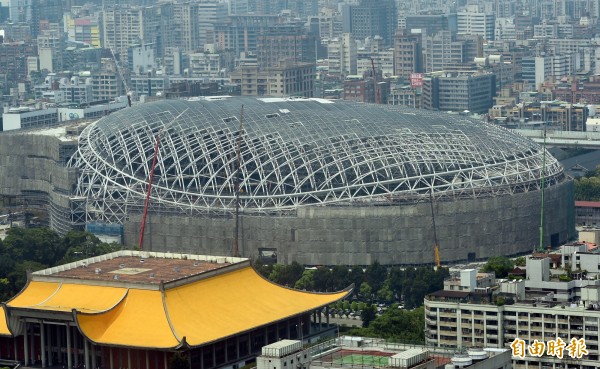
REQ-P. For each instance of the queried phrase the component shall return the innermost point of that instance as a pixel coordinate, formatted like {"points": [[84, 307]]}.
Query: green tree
{"points": [[357, 277], [263, 269], [366, 292], [398, 325], [306, 282], [385, 293], [340, 278], [500, 265], [41, 245], [367, 315], [322, 279], [520, 261], [286, 275], [375, 275], [83, 245], [5, 289]]}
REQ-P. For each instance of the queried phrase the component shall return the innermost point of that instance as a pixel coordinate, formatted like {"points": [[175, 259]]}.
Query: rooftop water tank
{"points": [[461, 361], [477, 354]]}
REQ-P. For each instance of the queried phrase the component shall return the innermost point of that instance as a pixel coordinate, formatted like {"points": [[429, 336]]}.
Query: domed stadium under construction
{"points": [[319, 182]]}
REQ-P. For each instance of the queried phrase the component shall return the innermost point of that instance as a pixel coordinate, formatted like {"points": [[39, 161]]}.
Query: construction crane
{"points": [[436, 249], [118, 66], [151, 178], [377, 97], [237, 184], [543, 171]]}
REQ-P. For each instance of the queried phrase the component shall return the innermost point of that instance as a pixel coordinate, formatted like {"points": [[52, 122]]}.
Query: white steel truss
{"points": [[296, 152]]}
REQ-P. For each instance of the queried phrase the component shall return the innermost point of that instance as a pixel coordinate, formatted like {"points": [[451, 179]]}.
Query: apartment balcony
{"points": [[432, 332], [448, 342], [430, 321], [447, 315], [591, 340], [431, 314], [576, 330]]}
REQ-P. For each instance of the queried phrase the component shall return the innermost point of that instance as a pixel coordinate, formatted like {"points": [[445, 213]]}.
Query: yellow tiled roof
{"points": [[139, 320], [34, 293], [4, 331], [201, 312], [234, 302]]}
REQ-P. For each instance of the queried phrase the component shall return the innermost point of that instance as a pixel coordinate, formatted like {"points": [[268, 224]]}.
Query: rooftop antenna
{"points": [[541, 246], [237, 185], [151, 177]]}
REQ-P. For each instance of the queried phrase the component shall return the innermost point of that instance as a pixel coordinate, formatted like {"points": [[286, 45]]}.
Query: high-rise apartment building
{"points": [[50, 49], [342, 55], [371, 18], [408, 54], [82, 29], [186, 28], [535, 70], [442, 50], [210, 13], [303, 8], [459, 92], [125, 26], [239, 33], [238, 7], [281, 81], [13, 63], [430, 24], [326, 26], [289, 43], [472, 21]]}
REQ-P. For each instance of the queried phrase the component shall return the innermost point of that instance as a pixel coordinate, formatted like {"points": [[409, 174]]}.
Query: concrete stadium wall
{"points": [[506, 225], [33, 171], [32, 168]]}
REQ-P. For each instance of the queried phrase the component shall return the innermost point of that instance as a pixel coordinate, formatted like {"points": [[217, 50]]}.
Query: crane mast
{"points": [[377, 96], [237, 185], [436, 249]]}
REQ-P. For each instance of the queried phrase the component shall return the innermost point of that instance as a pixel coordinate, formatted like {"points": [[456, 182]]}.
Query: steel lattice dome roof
{"points": [[296, 152]]}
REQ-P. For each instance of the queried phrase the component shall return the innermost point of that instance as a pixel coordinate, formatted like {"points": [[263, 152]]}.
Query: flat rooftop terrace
{"points": [[136, 267]]}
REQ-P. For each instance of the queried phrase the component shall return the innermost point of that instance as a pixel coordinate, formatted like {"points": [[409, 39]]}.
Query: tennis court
{"points": [[368, 358], [360, 359]]}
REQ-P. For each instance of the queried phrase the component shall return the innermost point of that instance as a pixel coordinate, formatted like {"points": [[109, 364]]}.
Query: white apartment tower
{"points": [[342, 54], [550, 302], [471, 21]]}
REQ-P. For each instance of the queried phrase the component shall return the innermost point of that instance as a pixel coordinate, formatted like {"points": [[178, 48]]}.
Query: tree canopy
{"points": [[398, 325], [373, 283], [500, 265], [33, 249], [587, 188]]}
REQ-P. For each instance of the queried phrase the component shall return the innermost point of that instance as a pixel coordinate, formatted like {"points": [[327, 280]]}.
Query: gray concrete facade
{"points": [[359, 235], [34, 175]]}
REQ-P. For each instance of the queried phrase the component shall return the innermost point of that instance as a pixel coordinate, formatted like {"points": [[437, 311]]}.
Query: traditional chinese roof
{"points": [[220, 301]]}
